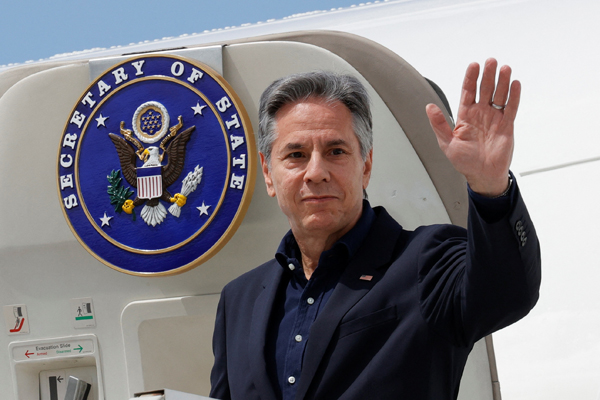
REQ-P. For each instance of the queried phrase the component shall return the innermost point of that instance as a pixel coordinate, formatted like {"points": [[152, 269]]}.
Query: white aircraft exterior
{"points": [[142, 335]]}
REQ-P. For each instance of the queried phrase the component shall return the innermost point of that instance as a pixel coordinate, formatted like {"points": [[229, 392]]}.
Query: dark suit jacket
{"points": [[406, 333]]}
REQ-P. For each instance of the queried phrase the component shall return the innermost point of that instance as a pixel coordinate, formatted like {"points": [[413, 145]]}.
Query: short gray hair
{"points": [[328, 86]]}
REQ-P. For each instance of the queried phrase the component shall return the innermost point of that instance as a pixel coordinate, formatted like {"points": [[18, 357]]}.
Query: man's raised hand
{"points": [[481, 145]]}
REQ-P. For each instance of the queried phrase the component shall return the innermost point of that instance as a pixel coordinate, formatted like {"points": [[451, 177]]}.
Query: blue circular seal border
{"points": [[221, 144]]}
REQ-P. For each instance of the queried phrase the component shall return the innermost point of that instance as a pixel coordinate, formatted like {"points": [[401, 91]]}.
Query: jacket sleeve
{"points": [[475, 282], [218, 377]]}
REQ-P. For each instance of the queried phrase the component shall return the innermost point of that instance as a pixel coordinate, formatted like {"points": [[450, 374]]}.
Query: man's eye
{"points": [[295, 154], [337, 152]]}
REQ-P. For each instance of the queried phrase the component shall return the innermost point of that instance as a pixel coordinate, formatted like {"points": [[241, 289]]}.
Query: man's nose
{"points": [[316, 170]]}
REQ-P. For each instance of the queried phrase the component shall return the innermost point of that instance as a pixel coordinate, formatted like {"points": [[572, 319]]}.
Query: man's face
{"points": [[317, 172]]}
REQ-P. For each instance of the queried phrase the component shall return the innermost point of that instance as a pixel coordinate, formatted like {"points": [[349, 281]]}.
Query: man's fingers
{"points": [[469, 88], [439, 124], [510, 112], [501, 94], [488, 81]]}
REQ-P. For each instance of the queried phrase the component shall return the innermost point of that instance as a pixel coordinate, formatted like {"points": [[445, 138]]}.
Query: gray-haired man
{"points": [[353, 306]]}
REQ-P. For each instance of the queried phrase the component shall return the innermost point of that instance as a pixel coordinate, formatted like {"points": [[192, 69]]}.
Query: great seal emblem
{"points": [[156, 165]]}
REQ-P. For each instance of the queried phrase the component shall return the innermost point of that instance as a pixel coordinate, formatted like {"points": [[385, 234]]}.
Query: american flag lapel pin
{"points": [[366, 277]]}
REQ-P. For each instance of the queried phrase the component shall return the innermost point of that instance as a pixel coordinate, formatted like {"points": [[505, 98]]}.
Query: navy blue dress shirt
{"points": [[299, 301]]}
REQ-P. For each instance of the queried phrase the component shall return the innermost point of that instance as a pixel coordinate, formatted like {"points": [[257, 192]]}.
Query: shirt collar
{"points": [[345, 247]]}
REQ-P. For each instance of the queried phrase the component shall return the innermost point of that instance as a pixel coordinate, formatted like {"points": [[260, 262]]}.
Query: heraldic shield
{"points": [[149, 182], [143, 194]]}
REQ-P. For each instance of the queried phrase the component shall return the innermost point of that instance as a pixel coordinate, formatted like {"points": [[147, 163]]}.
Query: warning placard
{"points": [[32, 351], [16, 319], [83, 314]]}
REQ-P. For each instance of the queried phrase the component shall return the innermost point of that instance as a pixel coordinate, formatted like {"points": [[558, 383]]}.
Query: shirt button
{"points": [[298, 338], [310, 300], [291, 266], [291, 380]]}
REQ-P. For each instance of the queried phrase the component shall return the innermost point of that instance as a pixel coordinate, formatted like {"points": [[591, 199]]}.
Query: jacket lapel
{"points": [[258, 332], [375, 252]]}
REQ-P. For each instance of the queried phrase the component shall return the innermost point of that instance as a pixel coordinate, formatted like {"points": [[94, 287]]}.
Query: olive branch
{"points": [[118, 193]]}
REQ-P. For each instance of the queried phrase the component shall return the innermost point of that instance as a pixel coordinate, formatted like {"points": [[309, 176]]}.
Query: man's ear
{"points": [[267, 175], [367, 169]]}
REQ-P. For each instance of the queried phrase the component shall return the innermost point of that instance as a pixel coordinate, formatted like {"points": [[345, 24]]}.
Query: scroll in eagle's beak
{"points": [[145, 155]]}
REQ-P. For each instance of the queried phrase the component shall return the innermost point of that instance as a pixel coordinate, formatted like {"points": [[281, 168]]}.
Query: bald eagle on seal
{"points": [[153, 212]]}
